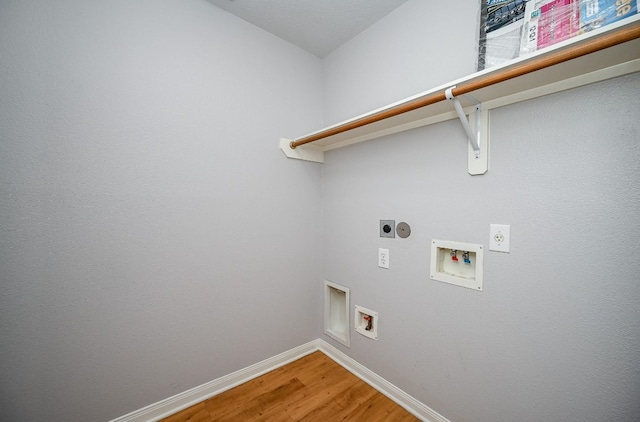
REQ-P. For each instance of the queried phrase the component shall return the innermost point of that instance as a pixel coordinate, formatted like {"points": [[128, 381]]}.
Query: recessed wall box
{"points": [[457, 263], [387, 228], [336, 312], [366, 322]]}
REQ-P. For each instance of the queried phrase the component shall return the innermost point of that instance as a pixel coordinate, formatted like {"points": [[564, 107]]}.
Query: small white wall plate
{"points": [[499, 237]]}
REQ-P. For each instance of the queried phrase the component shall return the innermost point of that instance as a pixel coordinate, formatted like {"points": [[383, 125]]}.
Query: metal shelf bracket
{"points": [[478, 138]]}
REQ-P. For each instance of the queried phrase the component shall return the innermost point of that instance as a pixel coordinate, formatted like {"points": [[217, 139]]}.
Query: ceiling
{"points": [[318, 26]]}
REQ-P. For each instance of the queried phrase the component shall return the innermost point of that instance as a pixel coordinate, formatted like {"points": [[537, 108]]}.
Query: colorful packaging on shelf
{"points": [[548, 22], [513, 28], [597, 13], [500, 31], [503, 12], [558, 21]]}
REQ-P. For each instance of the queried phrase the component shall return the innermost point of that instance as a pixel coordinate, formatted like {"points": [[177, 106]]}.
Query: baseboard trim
{"points": [[188, 398], [413, 406], [171, 405]]}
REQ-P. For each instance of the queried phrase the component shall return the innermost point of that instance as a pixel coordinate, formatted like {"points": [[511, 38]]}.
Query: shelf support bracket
{"points": [[478, 138], [304, 152]]}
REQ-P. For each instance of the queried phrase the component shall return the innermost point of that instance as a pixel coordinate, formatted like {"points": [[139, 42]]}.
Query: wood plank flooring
{"points": [[313, 388]]}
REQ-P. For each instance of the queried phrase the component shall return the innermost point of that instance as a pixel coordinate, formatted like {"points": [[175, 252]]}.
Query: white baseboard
{"points": [[181, 401], [188, 398], [413, 406]]}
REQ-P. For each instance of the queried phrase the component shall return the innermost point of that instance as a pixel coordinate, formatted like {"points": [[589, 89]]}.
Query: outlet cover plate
{"points": [[388, 228], [499, 237], [383, 258]]}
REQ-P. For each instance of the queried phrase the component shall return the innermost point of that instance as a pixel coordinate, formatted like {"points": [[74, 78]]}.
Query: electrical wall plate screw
{"points": [[387, 228]]}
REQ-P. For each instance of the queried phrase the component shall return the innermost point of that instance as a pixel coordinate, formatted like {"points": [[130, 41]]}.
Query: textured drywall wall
{"points": [[152, 235], [418, 46], [555, 335]]}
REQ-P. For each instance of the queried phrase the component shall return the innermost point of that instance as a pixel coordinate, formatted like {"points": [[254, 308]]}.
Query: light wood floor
{"points": [[313, 388]]}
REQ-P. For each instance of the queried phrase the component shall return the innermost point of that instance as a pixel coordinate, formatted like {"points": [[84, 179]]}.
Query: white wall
{"points": [[152, 236], [555, 335], [418, 46]]}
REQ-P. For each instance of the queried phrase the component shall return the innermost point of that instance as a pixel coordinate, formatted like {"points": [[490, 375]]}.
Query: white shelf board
{"points": [[605, 64]]}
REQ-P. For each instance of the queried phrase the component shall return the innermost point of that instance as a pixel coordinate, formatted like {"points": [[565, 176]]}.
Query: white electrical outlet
{"points": [[500, 235], [383, 258]]}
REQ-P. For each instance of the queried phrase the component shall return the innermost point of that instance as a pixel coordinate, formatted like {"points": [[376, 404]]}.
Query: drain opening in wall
{"points": [[366, 322]]}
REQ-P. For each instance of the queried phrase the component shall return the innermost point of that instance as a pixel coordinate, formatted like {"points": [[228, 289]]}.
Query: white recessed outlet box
{"points": [[457, 263], [336, 312], [366, 322]]}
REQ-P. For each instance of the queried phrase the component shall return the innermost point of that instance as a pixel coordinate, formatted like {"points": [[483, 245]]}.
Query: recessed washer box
{"points": [[366, 322], [457, 263]]}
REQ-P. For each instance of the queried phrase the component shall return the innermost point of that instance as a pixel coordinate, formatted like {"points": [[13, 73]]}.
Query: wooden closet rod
{"points": [[602, 42]]}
